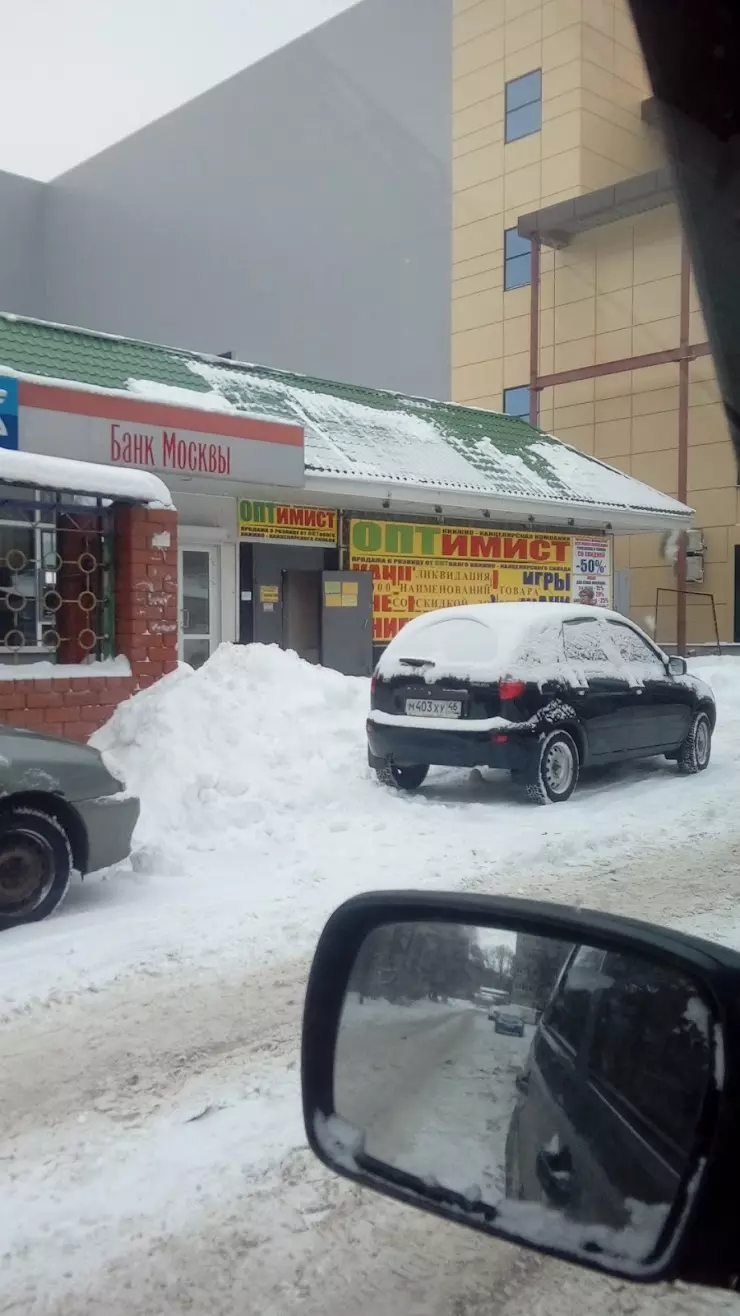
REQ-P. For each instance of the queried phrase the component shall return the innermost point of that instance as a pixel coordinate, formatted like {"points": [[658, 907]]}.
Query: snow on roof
{"points": [[397, 439], [30, 469], [352, 435]]}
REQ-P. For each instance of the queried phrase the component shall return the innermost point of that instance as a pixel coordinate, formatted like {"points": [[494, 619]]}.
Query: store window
{"points": [[56, 578], [517, 260], [524, 106], [516, 402]]}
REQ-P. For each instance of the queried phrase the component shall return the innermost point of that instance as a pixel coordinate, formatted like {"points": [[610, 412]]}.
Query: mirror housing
{"points": [[677, 666], [701, 1241]]}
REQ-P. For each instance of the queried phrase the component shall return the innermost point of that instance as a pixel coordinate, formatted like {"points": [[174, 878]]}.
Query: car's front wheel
{"points": [[552, 772], [408, 778], [35, 865], [696, 750]]}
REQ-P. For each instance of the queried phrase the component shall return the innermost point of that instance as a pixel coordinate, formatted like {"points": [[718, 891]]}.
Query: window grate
{"points": [[56, 579]]}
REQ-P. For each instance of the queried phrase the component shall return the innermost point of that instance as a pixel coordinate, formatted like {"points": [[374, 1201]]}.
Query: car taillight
{"points": [[373, 682], [511, 689]]}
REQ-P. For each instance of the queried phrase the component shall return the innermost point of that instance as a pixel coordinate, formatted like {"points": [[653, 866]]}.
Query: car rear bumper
{"points": [[109, 821], [406, 745]]}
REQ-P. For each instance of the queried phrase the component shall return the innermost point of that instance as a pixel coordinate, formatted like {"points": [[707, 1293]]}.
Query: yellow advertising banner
{"points": [[418, 568], [284, 523]]}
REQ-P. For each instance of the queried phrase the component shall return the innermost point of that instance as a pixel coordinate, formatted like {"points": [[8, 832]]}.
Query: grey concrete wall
{"points": [[297, 215], [22, 203]]}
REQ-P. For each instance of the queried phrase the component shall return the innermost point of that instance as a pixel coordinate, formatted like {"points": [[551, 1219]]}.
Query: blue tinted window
{"points": [[515, 244], [524, 106], [517, 259], [516, 402]]}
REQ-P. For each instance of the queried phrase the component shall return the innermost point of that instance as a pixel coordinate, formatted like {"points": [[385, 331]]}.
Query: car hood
{"points": [[30, 760]]}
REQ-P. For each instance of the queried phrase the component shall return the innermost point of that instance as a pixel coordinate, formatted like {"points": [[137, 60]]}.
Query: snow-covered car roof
{"points": [[486, 639], [510, 617]]}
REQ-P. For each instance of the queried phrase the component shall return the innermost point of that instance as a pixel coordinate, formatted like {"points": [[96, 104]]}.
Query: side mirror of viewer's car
{"points": [[566, 1080]]}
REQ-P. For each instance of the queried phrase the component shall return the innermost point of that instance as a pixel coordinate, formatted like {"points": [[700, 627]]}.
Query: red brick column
{"points": [[145, 556]]}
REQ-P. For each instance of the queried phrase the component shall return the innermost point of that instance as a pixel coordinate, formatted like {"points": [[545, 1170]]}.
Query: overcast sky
{"points": [[78, 75]]}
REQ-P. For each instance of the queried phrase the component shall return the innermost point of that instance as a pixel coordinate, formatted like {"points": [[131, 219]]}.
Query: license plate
{"points": [[434, 707]]}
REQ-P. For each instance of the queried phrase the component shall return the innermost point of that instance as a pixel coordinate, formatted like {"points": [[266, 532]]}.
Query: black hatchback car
{"points": [[602, 1129], [539, 689]]}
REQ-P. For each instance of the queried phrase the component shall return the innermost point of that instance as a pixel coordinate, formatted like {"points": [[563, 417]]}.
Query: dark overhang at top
{"points": [[557, 225]]}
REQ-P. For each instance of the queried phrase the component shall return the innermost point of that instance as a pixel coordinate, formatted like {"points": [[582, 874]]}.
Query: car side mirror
{"points": [[677, 666], [592, 1117]]}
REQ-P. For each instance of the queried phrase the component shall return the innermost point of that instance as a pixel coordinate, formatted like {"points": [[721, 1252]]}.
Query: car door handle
{"points": [[556, 1174]]}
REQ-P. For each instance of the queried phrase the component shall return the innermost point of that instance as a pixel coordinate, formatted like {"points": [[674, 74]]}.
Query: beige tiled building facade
{"points": [[551, 104]]}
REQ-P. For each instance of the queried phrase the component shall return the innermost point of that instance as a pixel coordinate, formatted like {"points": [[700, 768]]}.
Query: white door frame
{"points": [[211, 551], [227, 594]]}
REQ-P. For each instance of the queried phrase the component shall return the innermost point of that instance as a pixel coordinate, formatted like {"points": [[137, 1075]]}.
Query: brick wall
{"points": [[74, 704], [146, 592]]}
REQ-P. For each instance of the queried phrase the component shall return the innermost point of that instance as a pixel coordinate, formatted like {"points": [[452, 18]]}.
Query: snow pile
{"points": [[252, 747]]}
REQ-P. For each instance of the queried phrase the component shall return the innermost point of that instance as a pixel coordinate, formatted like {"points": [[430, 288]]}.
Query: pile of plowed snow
{"points": [[256, 742]]}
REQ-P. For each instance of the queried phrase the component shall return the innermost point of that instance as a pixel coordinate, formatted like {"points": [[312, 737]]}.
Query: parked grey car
{"points": [[510, 1023], [60, 810]]}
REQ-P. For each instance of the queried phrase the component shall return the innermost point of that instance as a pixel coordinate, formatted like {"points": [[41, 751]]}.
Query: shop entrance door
{"points": [[199, 611], [347, 622], [302, 613]]}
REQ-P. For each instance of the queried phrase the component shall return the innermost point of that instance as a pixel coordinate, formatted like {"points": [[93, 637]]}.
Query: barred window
{"points": [[56, 577]]}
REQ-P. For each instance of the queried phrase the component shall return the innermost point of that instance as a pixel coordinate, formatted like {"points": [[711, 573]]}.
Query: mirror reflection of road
{"points": [[433, 1087]]}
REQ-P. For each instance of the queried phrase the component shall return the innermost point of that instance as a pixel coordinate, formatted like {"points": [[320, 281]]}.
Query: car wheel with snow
{"points": [[407, 778], [35, 865], [552, 773], [696, 750]]}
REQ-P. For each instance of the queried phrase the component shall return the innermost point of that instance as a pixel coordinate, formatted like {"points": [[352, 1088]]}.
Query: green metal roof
{"points": [[351, 432]]}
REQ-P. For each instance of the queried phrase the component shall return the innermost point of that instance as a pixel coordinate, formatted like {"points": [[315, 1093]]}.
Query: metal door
{"points": [[347, 621], [198, 589]]}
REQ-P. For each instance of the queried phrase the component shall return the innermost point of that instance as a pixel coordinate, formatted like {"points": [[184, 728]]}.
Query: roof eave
{"points": [[572, 515]]}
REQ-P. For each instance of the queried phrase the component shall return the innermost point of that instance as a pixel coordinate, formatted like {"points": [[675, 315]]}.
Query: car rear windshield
{"points": [[488, 652], [454, 639]]}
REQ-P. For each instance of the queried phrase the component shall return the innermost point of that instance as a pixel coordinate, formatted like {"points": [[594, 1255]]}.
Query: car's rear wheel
{"points": [[408, 778], [696, 750], [35, 865], [552, 773]]}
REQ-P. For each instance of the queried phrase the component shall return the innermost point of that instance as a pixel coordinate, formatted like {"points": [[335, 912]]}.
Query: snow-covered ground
{"points": [[152, 1144]]}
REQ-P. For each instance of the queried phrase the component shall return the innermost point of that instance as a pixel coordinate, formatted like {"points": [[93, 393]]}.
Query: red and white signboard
{"points": [[173, 441]]}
